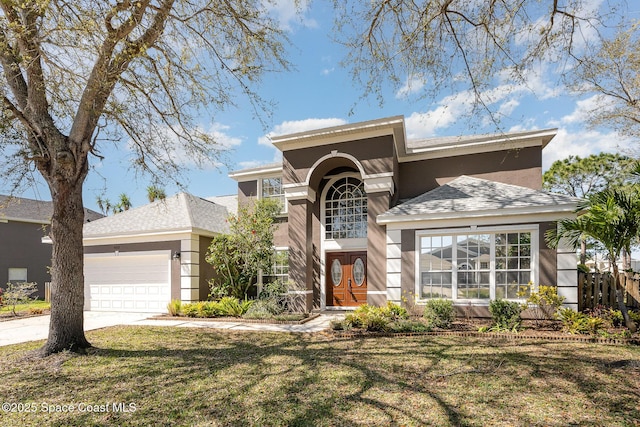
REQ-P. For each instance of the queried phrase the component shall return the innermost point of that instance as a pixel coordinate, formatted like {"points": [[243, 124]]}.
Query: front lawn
{"points": [[22, 309], [202, 377]]}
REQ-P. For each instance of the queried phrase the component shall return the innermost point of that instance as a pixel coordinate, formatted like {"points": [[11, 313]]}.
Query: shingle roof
{"points": [[467, 194], [180, 212], [29, 210], [230, 202]]}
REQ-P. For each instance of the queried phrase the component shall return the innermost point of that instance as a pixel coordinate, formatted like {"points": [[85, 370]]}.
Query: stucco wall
{"points": [[21, 247], [375, 154], [518, 167]]}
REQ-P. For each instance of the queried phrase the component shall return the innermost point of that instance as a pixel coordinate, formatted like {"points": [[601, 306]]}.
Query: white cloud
{"points": [[288, 13], [581, 143], [218, 132], [295, 126], [412, 84], [327, 71]]}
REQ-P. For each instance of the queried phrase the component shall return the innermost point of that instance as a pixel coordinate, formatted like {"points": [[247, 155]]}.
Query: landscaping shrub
{"points": [[374, 318], [544, 302], [174, 307], [19, 293], [190, 310], [230, 306], [575, 322], [262, 309], [35, 310], [394, 311], [439, 313], [209, 309], [407, 326], [505, 315]]}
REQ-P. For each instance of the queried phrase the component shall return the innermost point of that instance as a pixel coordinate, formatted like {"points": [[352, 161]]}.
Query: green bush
{"points": [[374, 318], [404, 325], [545, 302], [505, 315], [230, 306], [262, 309], [575, 322], [393, 311], [190, 310], [439, 313], [174, 307], [208, 309]]}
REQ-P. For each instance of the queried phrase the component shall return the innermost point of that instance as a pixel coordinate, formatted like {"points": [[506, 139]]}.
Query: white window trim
{"points": [[261, 275], [534, 229], [285, 207]]}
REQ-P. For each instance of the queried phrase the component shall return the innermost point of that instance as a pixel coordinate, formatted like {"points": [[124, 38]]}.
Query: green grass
{"points": [[202, 377], [25, 307]]}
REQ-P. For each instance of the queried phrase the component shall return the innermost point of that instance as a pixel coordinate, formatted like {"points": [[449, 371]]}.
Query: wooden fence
{"points": [[47, 291], [599, 289]]}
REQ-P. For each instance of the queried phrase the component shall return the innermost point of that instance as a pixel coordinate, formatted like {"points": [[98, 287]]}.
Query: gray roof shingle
{"points": [[467, 194], [180, 212], [29, 210]]}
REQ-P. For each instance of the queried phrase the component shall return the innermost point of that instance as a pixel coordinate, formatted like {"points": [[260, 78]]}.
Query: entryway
{"points": [[346, 279]]}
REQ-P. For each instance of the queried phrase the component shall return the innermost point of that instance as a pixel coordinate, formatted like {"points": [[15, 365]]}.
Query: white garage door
{"points": [[139, 282]]}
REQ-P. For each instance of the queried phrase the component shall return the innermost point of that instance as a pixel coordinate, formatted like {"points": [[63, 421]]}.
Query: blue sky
{"points": [[318, 92]]}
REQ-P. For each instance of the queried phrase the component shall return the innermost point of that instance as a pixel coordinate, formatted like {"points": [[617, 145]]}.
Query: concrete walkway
{"points": [[37, 328]]}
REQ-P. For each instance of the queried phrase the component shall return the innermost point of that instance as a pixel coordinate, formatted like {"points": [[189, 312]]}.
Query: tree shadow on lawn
{"points": [[202, 377]]}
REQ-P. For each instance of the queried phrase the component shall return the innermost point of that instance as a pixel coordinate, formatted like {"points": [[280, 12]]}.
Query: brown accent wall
{"points": [[377, 203], [548, 259], [375, 154], [21, 247], [281, 233], [173, 246], [518, 167], [300, 253], [246, 191]]}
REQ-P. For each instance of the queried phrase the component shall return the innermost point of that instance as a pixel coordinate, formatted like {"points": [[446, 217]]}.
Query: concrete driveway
{"points": [[37, 328]]}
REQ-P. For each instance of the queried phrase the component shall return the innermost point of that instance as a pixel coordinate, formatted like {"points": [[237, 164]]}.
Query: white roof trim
{"points": [[481, 144], [255, 173], [342, 133]]}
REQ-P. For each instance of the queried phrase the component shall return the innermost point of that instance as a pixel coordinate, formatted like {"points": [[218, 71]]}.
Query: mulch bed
{"points": [[237, 319], [547, 331]]}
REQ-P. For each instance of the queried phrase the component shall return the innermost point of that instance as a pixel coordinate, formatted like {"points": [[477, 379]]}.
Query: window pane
{"points": [[17, 275], [346, 209]]}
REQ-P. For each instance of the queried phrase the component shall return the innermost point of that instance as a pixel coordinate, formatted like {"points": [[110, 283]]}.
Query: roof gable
{"points": [[467, 194], [182, 212], [37, 211]]}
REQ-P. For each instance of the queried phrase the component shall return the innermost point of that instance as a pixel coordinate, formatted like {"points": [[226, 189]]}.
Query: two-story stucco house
{"points": [[369, 216]]}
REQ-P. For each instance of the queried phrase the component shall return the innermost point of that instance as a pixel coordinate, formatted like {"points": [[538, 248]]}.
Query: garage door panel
{"points": [[128, 283]]}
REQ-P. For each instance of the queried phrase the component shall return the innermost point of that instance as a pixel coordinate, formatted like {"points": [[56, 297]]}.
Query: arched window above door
{"points": [[346, 209]]}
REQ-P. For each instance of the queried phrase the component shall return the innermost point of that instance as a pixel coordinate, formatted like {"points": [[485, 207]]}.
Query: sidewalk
{"points": [[37, 328]]}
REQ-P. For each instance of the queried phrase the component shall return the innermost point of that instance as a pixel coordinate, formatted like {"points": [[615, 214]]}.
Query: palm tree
{"points": [[123, 205], [104, 205], [155, 193], [612, 217]]}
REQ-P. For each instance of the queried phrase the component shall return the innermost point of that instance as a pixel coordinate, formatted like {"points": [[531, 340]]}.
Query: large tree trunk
{"points": [[66, 327]]}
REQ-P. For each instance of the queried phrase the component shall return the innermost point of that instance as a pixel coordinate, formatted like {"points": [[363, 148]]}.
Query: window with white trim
{"points": [[475, 266], [280, 269], [346, 209], [271, 188], [17, 275]]}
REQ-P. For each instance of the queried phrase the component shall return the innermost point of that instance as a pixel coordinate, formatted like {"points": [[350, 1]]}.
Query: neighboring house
{"points": [[140, 259], [369, 216], [23, 255]]}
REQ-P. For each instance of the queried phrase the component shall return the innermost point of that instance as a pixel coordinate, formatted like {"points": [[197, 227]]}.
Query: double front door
{"points": [[346, 279]]}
